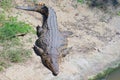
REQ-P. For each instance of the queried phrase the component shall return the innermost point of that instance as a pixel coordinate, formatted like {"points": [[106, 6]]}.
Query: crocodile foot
{"points": [[37, 50], [39, 30]]}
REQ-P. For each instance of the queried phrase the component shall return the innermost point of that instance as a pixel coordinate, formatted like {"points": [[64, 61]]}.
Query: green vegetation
{"points": [[12, 27], [16, 55], [1, 68], [13, 52], [105, 73], [3, 65], [11, 47], [2, 17], [80, 1], [118, 13], [6, 4], [11, 31]]}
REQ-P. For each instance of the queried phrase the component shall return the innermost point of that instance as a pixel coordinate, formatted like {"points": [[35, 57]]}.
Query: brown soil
{"points": [[95, 43]]}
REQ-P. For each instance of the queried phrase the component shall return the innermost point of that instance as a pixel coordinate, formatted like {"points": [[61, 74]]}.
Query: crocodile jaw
{"points": [[55, 66], [51, 62]]}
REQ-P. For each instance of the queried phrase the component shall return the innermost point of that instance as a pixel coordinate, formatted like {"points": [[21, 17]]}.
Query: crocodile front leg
{"points": [[38, 50], [39, 30]]}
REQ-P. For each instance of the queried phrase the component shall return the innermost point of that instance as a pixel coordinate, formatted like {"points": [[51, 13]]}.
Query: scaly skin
{"points": [[49, 39]]}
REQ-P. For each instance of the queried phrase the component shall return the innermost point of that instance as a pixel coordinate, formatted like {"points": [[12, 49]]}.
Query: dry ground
{"points": [[95, 43]]}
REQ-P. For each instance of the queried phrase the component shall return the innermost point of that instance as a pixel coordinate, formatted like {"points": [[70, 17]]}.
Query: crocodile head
{"points": [[40, 7], [49, 61]]}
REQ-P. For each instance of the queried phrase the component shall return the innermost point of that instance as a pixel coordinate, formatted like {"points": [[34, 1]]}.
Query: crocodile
{"points": [[50, 41]]}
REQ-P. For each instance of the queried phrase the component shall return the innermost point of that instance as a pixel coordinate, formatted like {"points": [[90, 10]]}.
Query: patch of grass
{"points": [[32, 1], [103, 74], [118, 13], [13, 50], [2, 16], [18, 55], [1, 68], [12, 27], [6, 4], [3, 65], [80, 1]]}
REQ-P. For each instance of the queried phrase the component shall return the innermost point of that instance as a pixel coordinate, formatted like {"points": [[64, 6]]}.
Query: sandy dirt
{"points": [[95, 43]]}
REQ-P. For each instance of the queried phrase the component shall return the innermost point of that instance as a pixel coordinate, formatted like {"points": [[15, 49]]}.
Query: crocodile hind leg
{"points": [[64, 50]]}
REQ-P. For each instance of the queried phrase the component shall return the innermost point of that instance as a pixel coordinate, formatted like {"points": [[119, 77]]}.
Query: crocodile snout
{"points": [[55, 66], [55, 73]]}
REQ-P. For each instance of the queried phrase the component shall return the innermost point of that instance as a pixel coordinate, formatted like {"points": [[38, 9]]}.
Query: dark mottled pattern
{"points": [[50, 40], [49, 37]]}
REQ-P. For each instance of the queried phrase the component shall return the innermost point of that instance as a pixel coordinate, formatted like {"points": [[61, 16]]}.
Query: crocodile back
{"points": [[55, 39], [51, 39]]}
